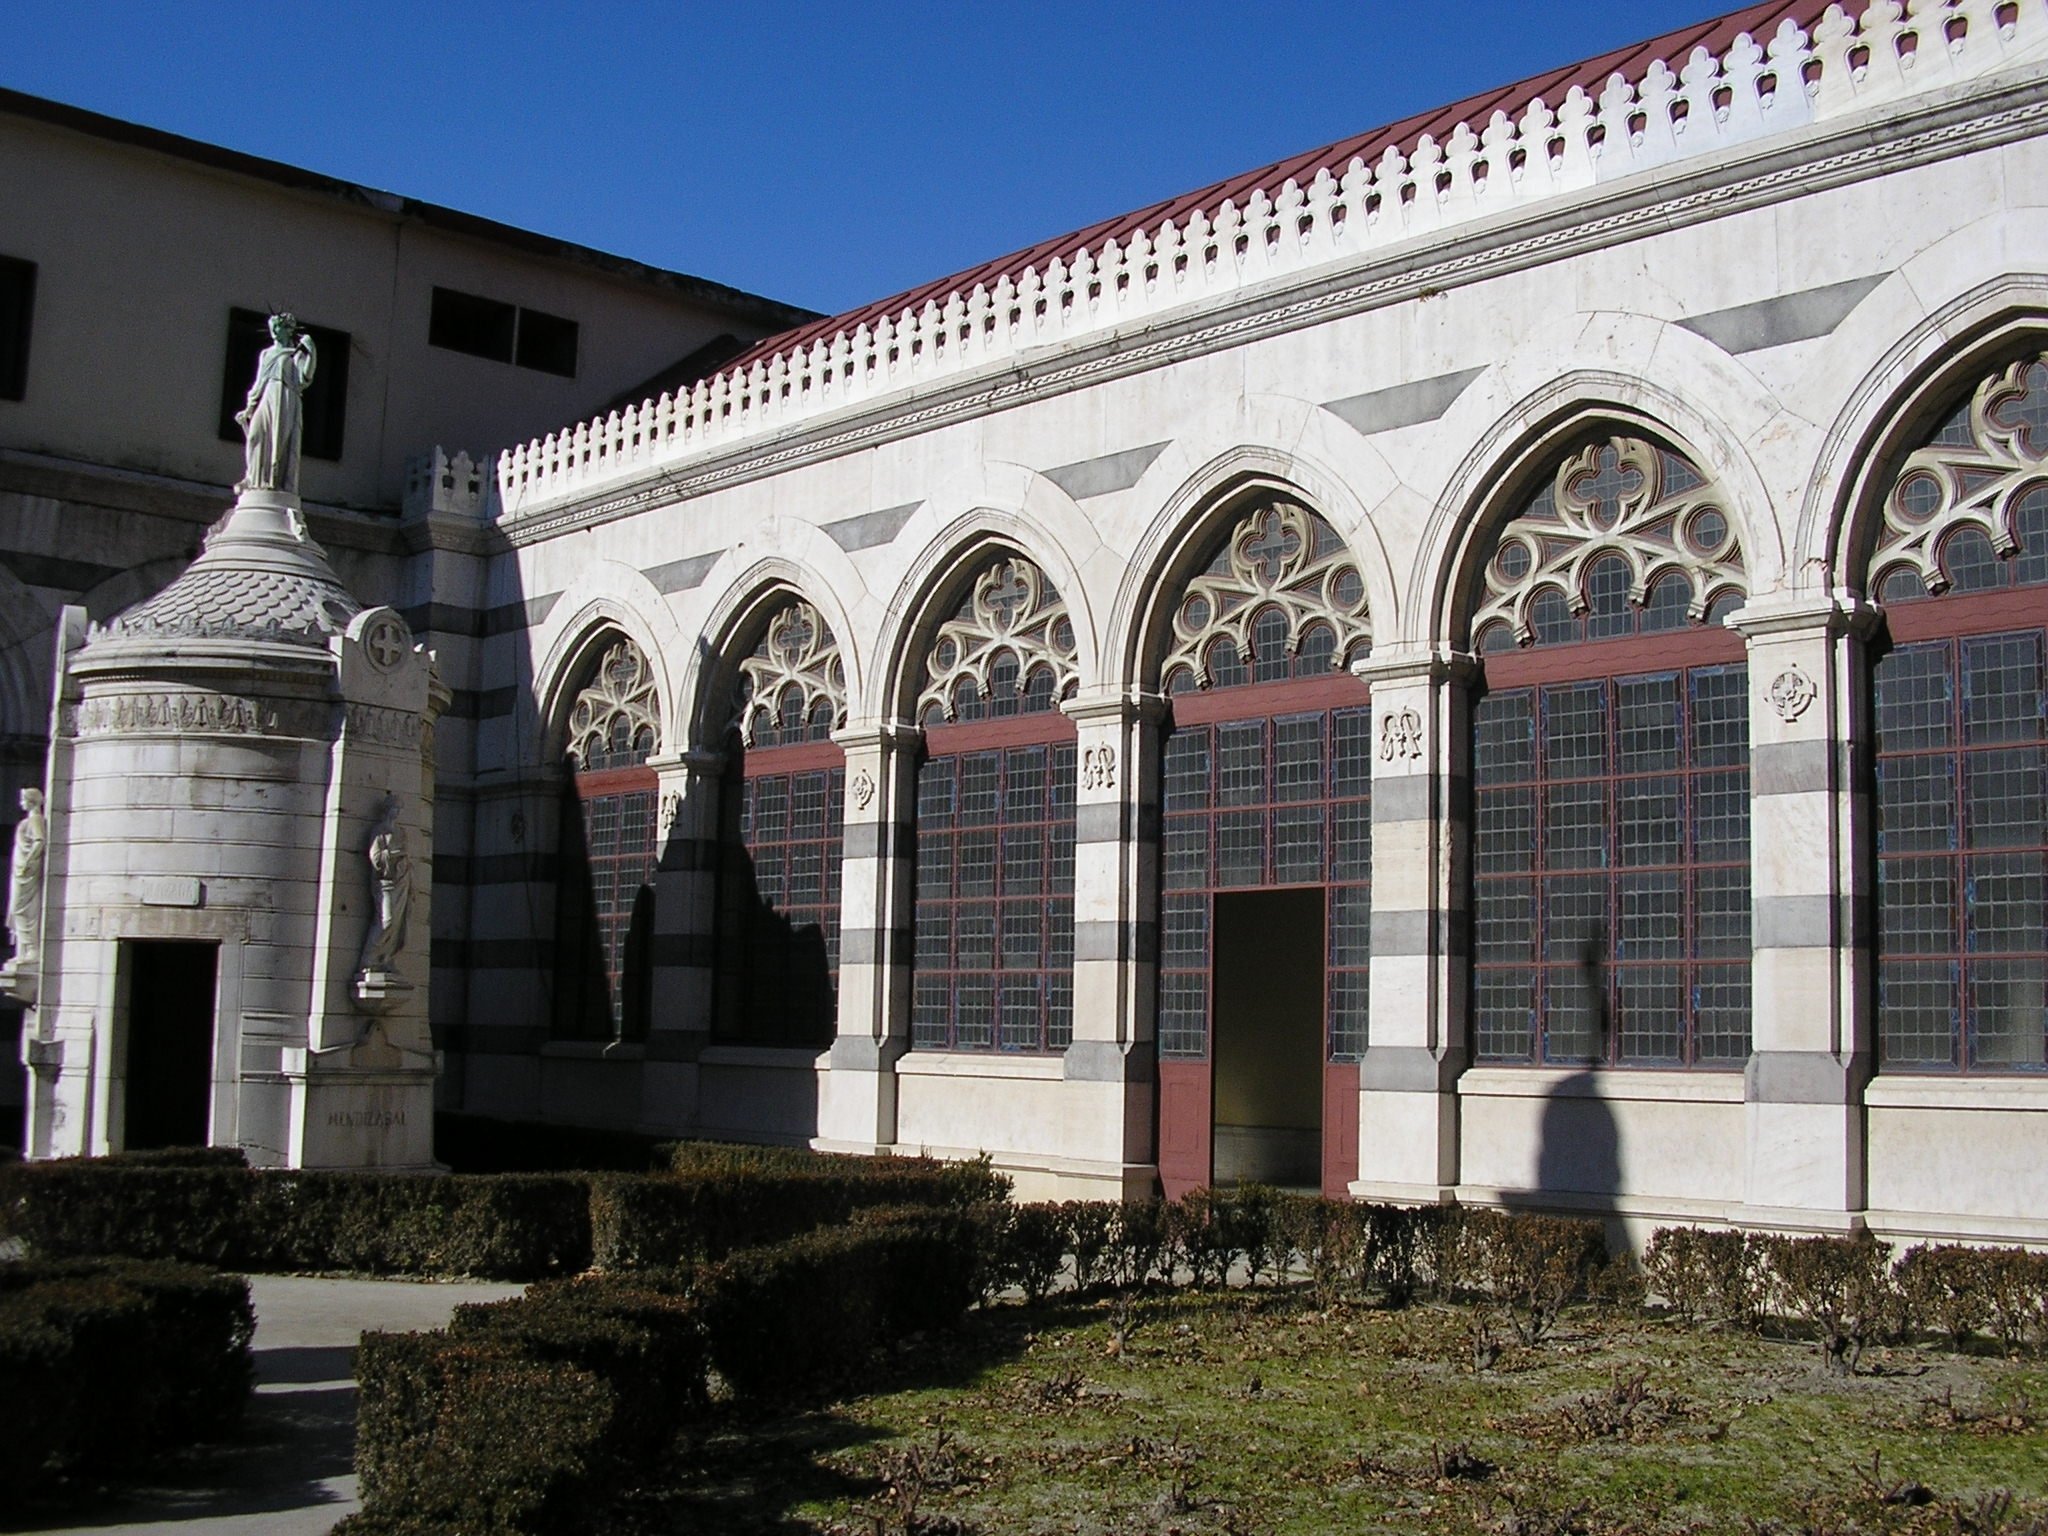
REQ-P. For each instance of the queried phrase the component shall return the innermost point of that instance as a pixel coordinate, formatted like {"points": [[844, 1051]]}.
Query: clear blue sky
{"points": [[823, 154]]}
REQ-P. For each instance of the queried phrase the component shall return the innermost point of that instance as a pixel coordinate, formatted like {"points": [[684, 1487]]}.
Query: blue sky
{"points": [[822, 154]]}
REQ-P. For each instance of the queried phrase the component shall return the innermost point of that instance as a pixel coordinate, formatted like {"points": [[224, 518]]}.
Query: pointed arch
{"points": [[610, 599], [736, 624], [957, 557]]}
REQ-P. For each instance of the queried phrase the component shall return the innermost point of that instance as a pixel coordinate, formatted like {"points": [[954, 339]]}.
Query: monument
{"points": [[235, 880]]}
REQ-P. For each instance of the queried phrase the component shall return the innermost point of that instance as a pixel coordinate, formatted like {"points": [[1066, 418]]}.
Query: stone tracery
{"points": [[1282, 590], [1979, 480], [1627, 536], [616, 718], [1011, 635], [793, 686]]}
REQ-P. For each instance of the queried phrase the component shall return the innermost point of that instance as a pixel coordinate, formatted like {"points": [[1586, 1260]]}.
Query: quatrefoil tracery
{"points": [[1011, 631], [1973, 474], [793, 687], [1279, 559], [1623, 505], [616, 718]]}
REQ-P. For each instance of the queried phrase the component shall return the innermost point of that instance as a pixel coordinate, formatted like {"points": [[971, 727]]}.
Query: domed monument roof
{"points": [[260, 577]]}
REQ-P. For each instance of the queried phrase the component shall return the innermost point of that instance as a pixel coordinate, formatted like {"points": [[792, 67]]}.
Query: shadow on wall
{"points": [[1578, 1158]]}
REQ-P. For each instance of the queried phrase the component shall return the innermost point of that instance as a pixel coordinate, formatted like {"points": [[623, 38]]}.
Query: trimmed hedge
{"points": [[505, 1226], [521, 1414], [508, 1226], [806, 1311], [661, 1221], [480, 1144], [105, 1361]]}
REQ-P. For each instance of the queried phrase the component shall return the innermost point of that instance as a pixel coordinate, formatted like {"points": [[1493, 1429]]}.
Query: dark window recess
{"points": [[780, 853], [17, 308], [547, 343], [464, 322], [504, 333], [326, 403]]}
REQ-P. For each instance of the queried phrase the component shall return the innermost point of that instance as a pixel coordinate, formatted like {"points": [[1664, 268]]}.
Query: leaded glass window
{"points": [[780, 837], [993, 956], [604, 893], [1960, 708], [1610, 752]]}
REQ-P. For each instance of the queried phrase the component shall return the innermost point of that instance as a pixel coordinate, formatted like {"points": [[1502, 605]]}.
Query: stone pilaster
{"points": [[1810, 1055], [1408, 1102], [857, 1097], [687, 789], [1116, 930]]}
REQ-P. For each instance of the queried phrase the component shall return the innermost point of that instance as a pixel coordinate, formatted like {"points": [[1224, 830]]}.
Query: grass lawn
{"points": [[1251, 1411]]}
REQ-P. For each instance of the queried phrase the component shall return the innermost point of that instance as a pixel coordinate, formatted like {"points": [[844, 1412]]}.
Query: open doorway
{"points": [[170, 986], [1268, 1092]]}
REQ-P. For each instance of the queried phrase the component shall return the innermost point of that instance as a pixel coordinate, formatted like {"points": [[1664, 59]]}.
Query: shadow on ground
{"points": [[747, 1470], [295, 1445]]}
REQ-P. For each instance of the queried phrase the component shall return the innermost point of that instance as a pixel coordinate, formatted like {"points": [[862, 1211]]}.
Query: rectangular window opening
{"points": [[17, 310]]}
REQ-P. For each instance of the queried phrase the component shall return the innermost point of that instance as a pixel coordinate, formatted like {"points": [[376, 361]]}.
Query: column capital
{"points": [[699, 760], [1116, 707], [1790, 615], [1416, 665], [879, 736]]}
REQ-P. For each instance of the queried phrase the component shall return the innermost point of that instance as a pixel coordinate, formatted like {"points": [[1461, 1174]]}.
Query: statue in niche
{"points": [[273, 419], [391, 868], [25, 882]]}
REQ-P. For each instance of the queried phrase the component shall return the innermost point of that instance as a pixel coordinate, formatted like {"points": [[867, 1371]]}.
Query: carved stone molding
{"points": [[1098, 767], [1011, 632], [1791, 692], [863, 790], [1400, 735], [385, 727], [199, 714]]}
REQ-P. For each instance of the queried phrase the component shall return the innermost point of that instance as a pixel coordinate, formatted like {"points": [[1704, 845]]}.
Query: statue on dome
{"points": [[273, 419]]}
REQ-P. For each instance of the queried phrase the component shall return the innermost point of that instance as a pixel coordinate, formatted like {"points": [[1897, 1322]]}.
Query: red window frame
{"points": [[777, 971], [1552, 968], [602, 964]]}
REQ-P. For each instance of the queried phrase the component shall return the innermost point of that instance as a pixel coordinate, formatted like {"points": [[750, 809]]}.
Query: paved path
{"points": [[290, 1471]]}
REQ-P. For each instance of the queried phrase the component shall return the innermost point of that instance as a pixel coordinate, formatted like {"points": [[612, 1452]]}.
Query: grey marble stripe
{"points": [[874, 839], [1402, 405], [681, 575], [870, 528], [1787, 318], [1116, 941], [1110, 472]]}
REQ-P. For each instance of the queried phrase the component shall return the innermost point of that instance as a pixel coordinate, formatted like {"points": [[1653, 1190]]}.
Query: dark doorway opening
{"points": [[1268, 1046], [168, 1092]]}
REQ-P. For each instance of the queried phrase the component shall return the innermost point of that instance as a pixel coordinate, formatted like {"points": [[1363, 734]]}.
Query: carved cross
{"points": [[1608, 484], [385, 645], [1273, 548], [1006, 597], [793, 635]]}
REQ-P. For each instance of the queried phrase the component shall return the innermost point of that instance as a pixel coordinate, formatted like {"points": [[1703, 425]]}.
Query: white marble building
{"points": [[1502, 660]]}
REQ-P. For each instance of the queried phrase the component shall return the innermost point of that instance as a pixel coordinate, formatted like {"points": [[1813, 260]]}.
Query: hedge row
{"points": [[508, 1226], [1347, 1249], [520, 1414], [1852, 1291], [103, 1361]]}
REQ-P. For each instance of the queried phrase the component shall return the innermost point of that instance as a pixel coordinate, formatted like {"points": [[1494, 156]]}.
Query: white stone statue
{"points": [[391, 865], [274, 416], [25, 882]]}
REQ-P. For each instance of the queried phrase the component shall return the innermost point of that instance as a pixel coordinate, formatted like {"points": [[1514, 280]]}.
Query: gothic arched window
{"points": [[1959, 560], [993, 965], [604, 906], [781, 830], [1610, 770]]}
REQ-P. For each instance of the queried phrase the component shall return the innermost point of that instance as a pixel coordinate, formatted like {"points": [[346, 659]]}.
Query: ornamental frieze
{"points": [[384, 727], [199, 714]]}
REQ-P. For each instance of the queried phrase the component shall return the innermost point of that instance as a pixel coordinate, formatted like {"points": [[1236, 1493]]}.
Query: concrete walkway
{"points": [[290, 1472]]}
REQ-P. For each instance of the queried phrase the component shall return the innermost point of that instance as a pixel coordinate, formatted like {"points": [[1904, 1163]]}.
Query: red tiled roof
{"points": [[1760, 21]]}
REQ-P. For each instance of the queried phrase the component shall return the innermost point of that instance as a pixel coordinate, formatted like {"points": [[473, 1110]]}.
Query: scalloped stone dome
{"points": [[260, 577]]}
